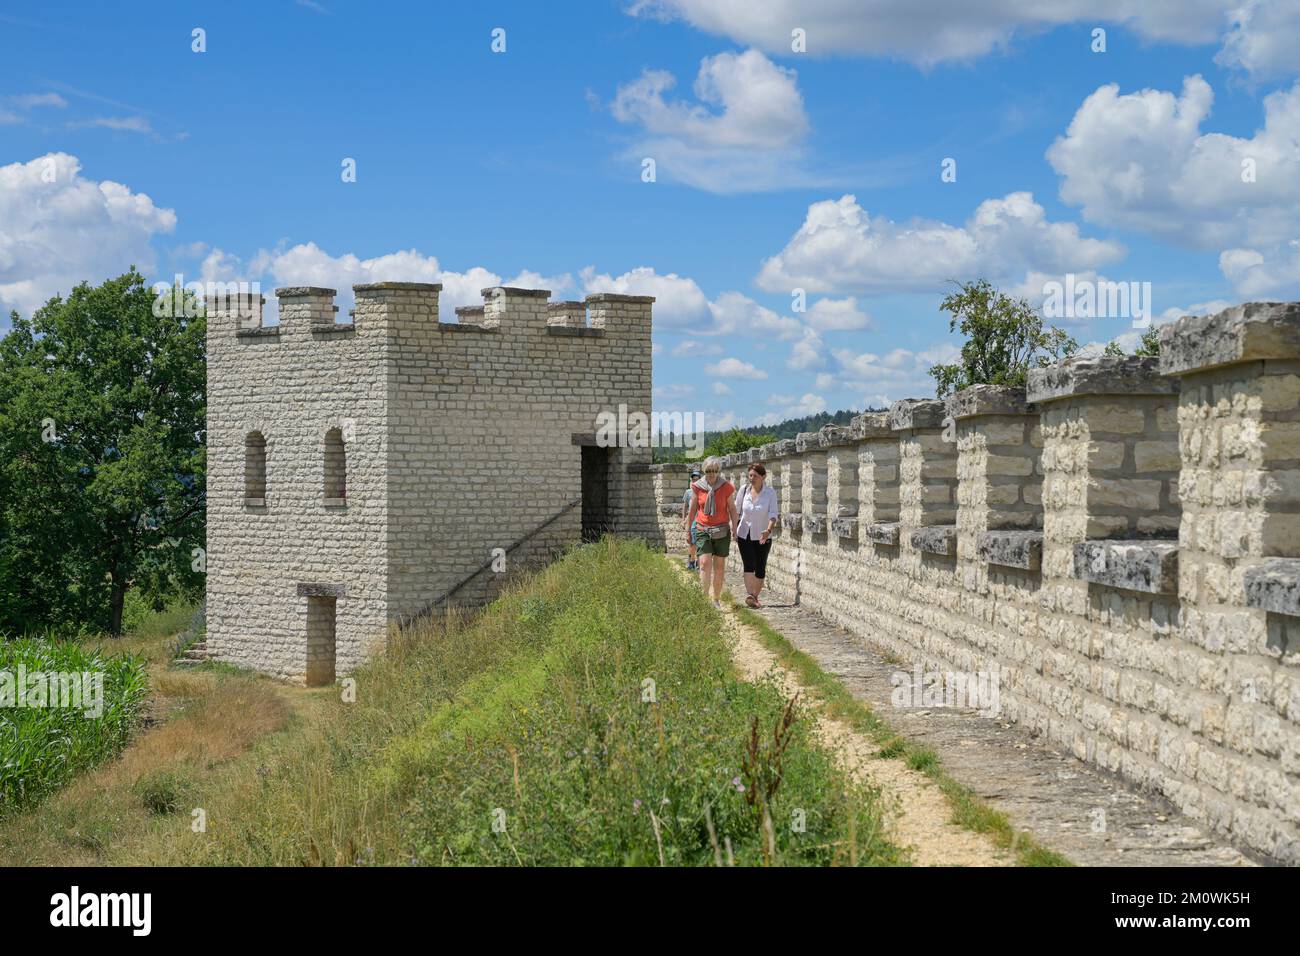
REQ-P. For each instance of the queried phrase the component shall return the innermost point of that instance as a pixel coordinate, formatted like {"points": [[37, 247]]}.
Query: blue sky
{"points": [[775, 169]]}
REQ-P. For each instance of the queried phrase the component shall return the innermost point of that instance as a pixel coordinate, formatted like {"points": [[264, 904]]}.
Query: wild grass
{"points": [[968, 809], [589, 716]]}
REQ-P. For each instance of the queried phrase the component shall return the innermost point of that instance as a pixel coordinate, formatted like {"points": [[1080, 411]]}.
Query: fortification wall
{"points": [[1121, 543]]}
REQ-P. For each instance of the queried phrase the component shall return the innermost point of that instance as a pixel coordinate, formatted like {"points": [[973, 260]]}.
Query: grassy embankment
{"points": [[589, 716]]}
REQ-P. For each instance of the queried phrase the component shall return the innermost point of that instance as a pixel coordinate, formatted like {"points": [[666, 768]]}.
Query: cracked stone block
{"points": [[885, 532], [916, 413], [1147, 566], [1274, 585], [1243, 333], [1099, 375], [936, 539], [1011, 549], [846, 528], [816, 524], [793, 521]]}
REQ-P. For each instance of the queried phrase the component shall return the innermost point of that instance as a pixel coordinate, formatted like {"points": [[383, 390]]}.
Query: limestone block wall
{"points": [[457, 438], [292, 383], [1125, 555]]}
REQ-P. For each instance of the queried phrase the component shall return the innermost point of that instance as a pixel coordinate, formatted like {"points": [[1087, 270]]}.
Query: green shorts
{"points": [[706, 545]]}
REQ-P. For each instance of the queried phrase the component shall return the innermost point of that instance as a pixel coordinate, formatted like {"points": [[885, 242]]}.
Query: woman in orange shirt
{"points": [[713, 509]]}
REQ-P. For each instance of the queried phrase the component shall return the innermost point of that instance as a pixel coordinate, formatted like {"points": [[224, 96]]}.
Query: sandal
{"points": [[751, 600]]}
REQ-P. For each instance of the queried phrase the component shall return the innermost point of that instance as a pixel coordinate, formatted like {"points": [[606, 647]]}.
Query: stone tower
{"points": [[363, 472]]}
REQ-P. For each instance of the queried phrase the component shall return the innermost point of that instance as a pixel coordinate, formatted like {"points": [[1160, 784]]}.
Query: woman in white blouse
{"points": [[758, 517]]}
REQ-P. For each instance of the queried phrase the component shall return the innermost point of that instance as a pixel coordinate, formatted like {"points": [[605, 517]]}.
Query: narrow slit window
{"points": [[336, 466], [255, 467]]}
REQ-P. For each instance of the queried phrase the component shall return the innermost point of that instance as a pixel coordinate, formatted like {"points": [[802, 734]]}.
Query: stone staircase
{"points": [[194, 655]]}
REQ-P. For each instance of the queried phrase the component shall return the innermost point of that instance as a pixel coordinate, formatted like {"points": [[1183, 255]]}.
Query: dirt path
{"points": [[918, 815]]}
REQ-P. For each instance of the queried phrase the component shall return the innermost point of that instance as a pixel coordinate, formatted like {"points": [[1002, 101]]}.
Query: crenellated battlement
{"points": [[1120, 541]]}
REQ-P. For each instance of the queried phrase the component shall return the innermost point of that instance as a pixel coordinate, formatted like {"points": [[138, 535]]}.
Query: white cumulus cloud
{"points": [[59, 228], [841, 248], [1259, 36], [743, 132]]}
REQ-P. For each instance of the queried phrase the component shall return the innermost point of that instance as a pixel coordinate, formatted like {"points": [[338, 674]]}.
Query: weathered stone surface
{"points": [[299, 291], [936, 539], [987, 400], [396, 287], [832, 435], [1099, 375], [815, 524], [844, 527], [792, 521], [1011, 549], [883, 532], [1243, 333], [1274, 585], [871, 425], [912, 413], [806, 441], [1147, 566], [781, 449]]}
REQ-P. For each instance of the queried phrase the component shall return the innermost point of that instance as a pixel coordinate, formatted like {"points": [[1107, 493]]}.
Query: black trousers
{"points": [[753, 556]]}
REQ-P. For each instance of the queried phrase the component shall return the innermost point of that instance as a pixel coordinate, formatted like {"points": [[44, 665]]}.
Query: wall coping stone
{"points": [[832, 435], [987, 400], [1099, 375], [617, 297], [807, 441], [883, 532], [910, 413], [793, 521], [936, 539], [260, 331], [1274, 585], [516, 291], [1150, 565], [816, 524], [785, 448], [1011, 549], [871, 425], [398, 287], [297, 291], [1243, 333]]}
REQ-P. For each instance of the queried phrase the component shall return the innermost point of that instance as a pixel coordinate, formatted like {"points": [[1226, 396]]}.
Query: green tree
{"points": [[1005, 338], [102, 459], [736, 440], [1148, 347]]}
